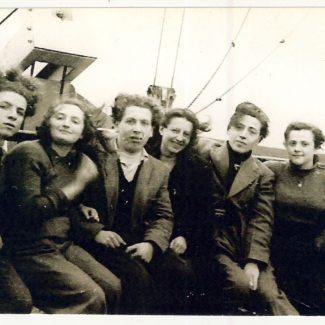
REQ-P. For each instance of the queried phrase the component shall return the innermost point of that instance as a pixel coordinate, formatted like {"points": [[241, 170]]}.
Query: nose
{"points": [[297, 147], [12, 113], [137, 127], [243, 133], [180, 137], [66, 122]]}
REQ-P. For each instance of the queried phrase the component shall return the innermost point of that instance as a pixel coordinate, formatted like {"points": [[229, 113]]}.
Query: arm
{"points": [[260, 227]]}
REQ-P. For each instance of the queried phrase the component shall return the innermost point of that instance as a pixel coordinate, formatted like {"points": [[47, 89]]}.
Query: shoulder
{"points": [[156, 164], [320, 166], [27, 148], [275, 166], [264, 170], [204, 145]]}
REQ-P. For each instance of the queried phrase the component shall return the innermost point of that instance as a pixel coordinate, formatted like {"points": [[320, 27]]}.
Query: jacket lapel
{"points": [[247, 173], [111, 185], [142, 188], [220, 159]]}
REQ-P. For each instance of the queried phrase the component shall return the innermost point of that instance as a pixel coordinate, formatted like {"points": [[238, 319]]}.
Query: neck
{"points": [[2, 141], [166, 153], [61, 150]]}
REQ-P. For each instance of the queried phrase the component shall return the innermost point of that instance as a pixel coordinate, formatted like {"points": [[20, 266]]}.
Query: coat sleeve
{"points": [[260, 227], [24, 170], [160, 228]]}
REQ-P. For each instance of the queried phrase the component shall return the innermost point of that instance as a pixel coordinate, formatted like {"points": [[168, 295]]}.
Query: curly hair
{"points": [[319, 138], [189, 116], [89, 132], [12, 80], [247, 108], [122, 101]]}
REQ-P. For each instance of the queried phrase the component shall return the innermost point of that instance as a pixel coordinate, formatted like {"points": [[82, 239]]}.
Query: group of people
{"points": [[156, 220]]}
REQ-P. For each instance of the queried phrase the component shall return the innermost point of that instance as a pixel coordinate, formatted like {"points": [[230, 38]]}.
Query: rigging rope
{"points": [[3, 20], [161, 33], [231, 46], [281, 42], [179, 40]]}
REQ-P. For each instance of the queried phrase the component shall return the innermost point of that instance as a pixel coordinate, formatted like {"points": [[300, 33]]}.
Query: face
{"points": [[176, 136], [245, 135], [67, 124], [134, 129], [12, 112], [301, 148]]}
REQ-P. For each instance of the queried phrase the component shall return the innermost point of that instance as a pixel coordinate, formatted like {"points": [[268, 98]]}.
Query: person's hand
{"points": [[252, 272], [142, 250], [89, 213], [109, 238], [178, 245]]}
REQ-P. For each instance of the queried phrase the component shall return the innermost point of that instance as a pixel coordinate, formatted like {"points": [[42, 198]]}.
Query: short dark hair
{"points": [[89, 131], [247, 108], [12, 80], [188, 115], [122, 101], [297, 126]]}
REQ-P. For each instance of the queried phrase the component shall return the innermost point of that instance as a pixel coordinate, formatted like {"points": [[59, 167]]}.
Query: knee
{"points": [[18, 305], [96, 301]]}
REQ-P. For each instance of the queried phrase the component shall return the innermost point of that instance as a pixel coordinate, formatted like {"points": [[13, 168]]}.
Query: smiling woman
{"points": [[43, 182]]}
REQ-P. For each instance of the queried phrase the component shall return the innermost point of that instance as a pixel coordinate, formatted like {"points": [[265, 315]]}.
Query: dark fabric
{"points": [[243, 230], [267, 299], [298, 242], [151, 214], [62, 277], [65, 279], [15, 298]]}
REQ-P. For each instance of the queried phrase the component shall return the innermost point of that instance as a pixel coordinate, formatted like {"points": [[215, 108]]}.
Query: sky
{"points": [[277, 63]]}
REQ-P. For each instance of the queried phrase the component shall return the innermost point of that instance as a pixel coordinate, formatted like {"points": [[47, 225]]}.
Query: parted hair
{"points": [[122, 101], [247, 108], [298, 126], [13, 80]]}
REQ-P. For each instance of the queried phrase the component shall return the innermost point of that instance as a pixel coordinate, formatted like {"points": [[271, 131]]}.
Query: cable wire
{"points": [[231, 46], [161, 33], [179, 40], [246, 75], [3, 20]]}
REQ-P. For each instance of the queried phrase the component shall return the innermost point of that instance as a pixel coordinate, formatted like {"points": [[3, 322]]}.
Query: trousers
{"points": [[64, 279]]}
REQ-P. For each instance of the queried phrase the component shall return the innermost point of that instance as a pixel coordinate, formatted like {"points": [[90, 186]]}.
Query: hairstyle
{"points": [[89, 132], [122, 101], [188, 115], [12, 80], [297, 126], [247, 108]]}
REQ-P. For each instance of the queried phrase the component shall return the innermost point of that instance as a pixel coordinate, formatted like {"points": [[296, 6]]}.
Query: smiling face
{"points": [[301, 148], [12, 112], [67, 124], [134, 129], [244, 136], [176, 136]]}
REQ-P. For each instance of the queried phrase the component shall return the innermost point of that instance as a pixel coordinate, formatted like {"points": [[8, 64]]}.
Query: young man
{"points": [[133, 205], [17, 100], [244, 218]]}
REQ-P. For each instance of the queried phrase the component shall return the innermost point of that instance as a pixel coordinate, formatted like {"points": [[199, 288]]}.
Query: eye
{"points": [[21, 112], [305, 144], [253, 131], [145, 123], [176, 131], [76, 121], [187, 135]]}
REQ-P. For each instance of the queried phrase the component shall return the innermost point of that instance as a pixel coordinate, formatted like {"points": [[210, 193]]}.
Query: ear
{"points": [[161, 129], [285, 143]]}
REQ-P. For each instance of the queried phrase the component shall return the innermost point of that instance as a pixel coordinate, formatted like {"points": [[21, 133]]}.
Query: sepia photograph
{"points": [[162, 161]]}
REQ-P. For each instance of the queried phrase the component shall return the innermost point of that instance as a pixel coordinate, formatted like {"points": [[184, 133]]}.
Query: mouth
{"points": [[136, 139], [241, 143], [65, 131], [10, 125]]}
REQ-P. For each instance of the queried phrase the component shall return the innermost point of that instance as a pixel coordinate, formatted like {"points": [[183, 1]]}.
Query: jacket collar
{"points": [[247, 172]]}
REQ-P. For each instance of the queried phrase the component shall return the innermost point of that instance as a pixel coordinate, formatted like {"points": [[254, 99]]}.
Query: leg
{"points": [[274, 299], [57, 286], [138, 291], [110, 284], [15, 298], [175, 281]]}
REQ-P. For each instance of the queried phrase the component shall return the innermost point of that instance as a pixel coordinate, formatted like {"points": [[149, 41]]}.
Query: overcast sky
{"points": [[288, 85]]}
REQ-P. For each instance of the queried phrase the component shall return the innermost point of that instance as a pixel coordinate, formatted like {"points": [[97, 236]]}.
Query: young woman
{"points": [[191, 192], [298, 242], [42, 182]]}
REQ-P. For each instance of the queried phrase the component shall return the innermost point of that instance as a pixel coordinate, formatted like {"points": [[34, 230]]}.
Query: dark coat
{"points": [[244, 216], [152, 217], [191, 187]]}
